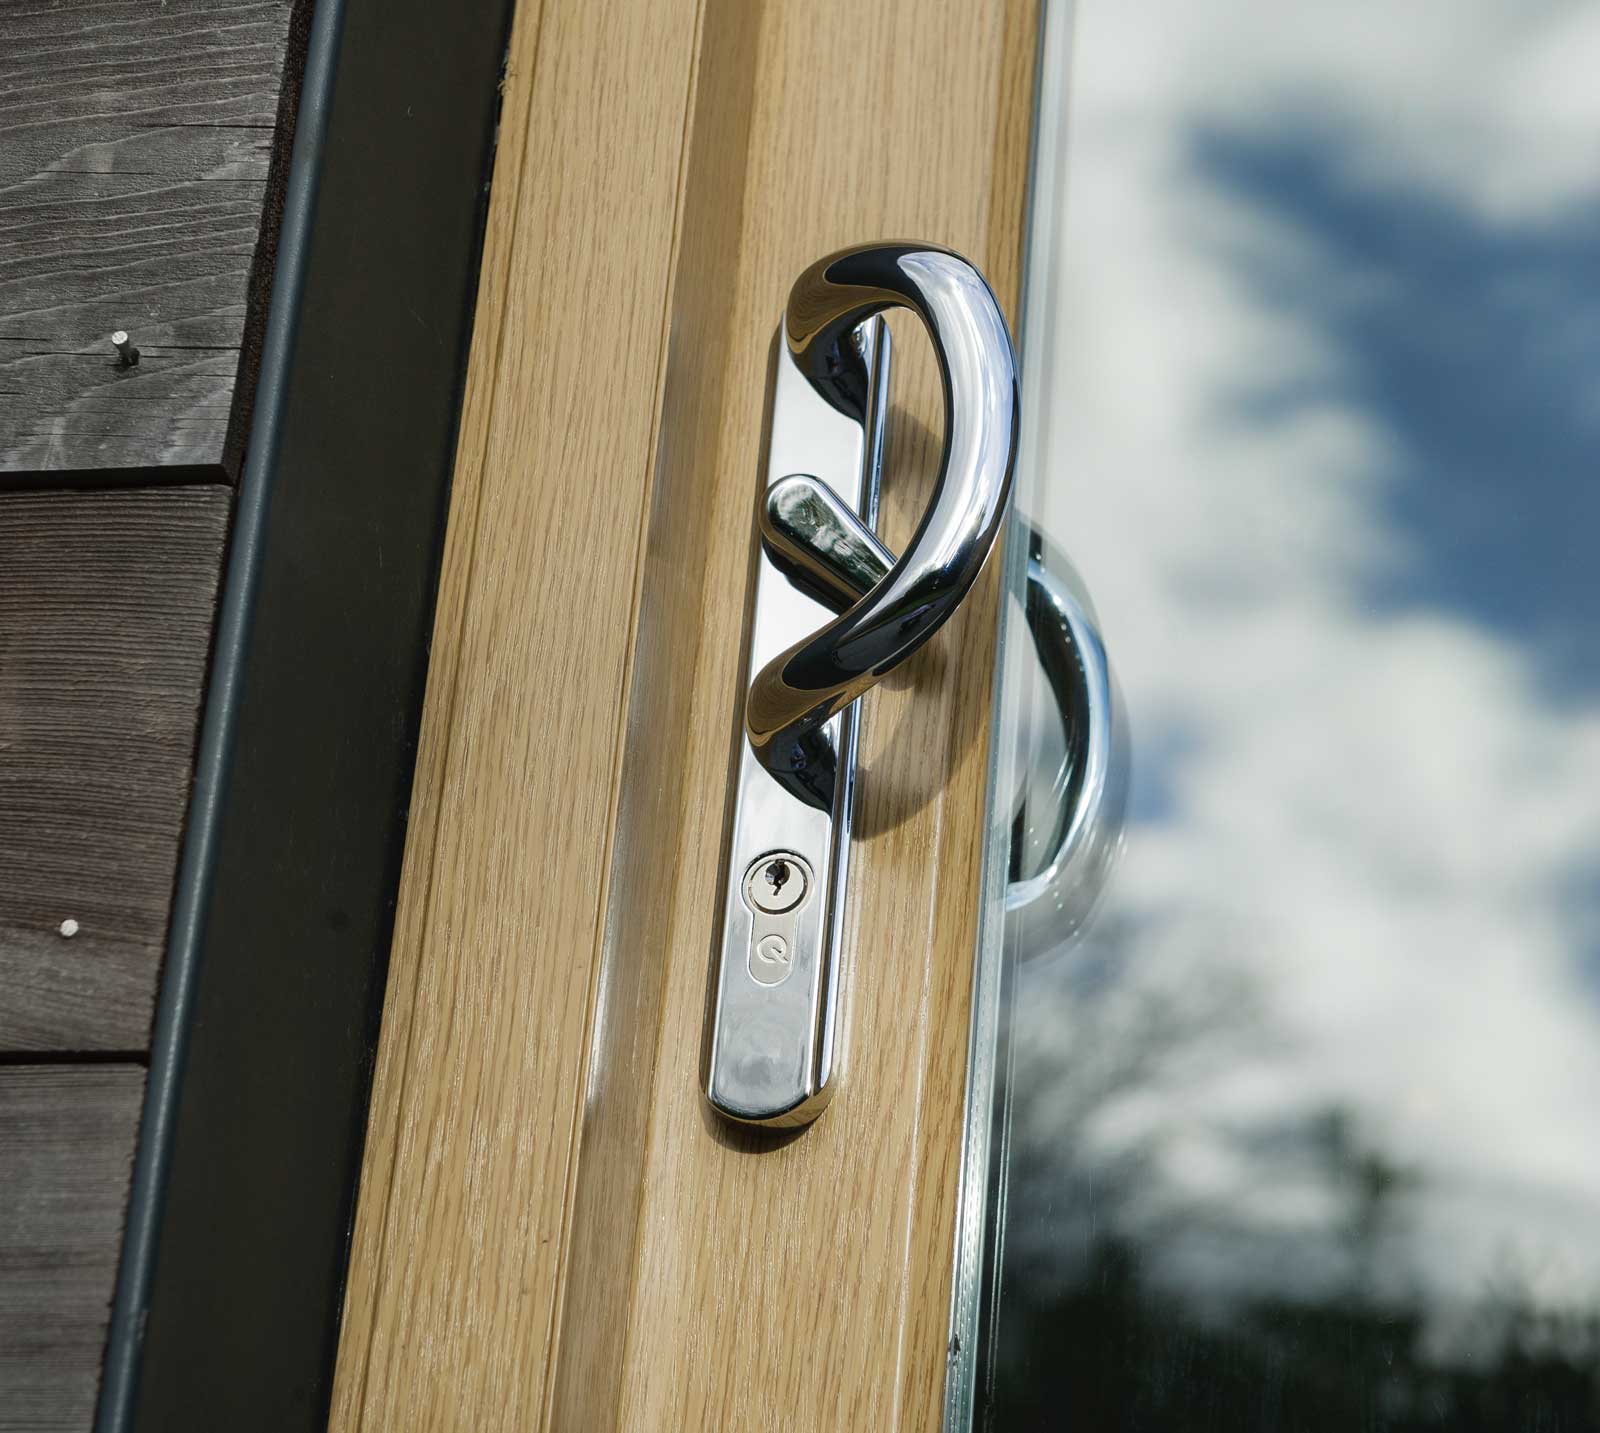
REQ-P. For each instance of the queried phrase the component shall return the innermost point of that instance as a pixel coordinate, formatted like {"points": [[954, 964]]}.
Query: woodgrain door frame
{"points": [[551, 1229]]}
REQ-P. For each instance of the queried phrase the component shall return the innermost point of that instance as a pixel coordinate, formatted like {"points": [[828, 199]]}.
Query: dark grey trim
{"points": [[169, 1037], [228, 1296]]}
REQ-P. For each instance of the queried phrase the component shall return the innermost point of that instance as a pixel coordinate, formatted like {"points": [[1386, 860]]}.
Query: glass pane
{"points": [[1304, 1132]]}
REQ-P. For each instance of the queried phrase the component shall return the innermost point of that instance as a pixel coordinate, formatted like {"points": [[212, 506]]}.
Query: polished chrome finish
{"points": [[776, 889], [820, 674], [819, 544], [771, 1036], [811, 535], [777, 883], [769, 1048]]}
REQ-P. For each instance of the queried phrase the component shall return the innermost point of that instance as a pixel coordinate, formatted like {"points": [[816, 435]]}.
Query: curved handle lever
{"points": [[796, 693], [811, 536], [771, 1045]]}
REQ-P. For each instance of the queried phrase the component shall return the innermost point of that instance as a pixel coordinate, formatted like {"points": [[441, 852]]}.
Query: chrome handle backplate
{"points": [[771, 1038], [769, 1041]]}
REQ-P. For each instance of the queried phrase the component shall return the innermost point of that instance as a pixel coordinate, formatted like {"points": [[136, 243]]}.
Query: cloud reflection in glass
{"points": [[1305, 1131]]}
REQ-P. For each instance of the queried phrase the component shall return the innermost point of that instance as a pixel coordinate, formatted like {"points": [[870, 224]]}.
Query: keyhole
{"points": [[776, 883]]}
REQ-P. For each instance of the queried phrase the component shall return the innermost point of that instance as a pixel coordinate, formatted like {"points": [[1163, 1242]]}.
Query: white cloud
{"points": [[1375, 817], [1489, 101]]}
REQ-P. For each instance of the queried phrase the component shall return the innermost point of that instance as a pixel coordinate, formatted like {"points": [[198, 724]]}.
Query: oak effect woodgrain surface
{"points": [[552, 1230], [106, 602], [135, 145]]}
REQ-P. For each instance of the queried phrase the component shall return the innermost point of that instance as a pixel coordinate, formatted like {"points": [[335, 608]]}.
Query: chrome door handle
{"points": [[770, 1036], [796, 692]]}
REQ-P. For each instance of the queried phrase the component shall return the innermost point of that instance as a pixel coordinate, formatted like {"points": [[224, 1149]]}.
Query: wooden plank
{"points": [[604, 1206], [805, 1282], [67, 1136], [135, 147], [551, 1230], [105, 621], [564, 478]]}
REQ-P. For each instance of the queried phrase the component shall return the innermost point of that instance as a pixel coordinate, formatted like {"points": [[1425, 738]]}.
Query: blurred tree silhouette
{"points": [[1095, 1335], [1113, 1353]]}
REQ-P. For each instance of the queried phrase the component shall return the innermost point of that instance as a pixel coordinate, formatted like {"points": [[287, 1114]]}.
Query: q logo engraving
{"points": [[771, 960]]}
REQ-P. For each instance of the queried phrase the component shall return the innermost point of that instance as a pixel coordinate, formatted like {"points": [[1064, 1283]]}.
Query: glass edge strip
{"points": [[1046, 178]]}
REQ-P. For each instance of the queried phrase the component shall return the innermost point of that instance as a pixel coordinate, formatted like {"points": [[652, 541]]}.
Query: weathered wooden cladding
{"points": [[136, 142], [106, 602], [142, 149], [67, 1134]]}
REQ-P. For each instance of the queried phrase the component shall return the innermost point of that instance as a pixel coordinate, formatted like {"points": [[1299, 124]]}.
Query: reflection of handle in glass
{"points": [[827, 551], [1048, 908]]}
